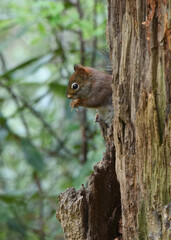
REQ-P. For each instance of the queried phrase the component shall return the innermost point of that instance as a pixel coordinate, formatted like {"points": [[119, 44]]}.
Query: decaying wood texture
{"points": [[139, 36], [94, 212]]}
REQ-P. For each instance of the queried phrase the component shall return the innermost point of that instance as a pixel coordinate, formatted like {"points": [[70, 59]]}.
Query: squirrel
{"points": [[91, 88]]}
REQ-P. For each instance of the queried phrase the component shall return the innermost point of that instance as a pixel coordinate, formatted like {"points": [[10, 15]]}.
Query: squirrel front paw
{"points": [[97, 118], [75, 103]]}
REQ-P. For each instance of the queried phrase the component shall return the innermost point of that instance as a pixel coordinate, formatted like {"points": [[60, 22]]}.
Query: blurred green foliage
{"points": [[40, 138]]}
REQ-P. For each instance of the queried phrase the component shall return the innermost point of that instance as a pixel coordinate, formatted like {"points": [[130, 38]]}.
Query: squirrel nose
{"points": [[69, 96]]}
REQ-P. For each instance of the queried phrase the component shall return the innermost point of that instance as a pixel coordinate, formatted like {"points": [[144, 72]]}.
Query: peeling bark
{"points": [[139, 40], [93, 213]]}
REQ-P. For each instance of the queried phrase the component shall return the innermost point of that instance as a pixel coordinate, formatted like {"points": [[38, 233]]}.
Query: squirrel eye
{"points": [[74, 86]]}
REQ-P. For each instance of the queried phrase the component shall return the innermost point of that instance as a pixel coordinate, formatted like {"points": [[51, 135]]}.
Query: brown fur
{"points": [[94, 91], [94, 87]]}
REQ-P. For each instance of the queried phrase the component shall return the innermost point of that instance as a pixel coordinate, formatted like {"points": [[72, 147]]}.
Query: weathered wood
{"points": [[139, 39], [93, 213]]}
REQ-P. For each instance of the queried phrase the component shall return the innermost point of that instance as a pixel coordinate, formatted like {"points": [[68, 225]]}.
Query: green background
{"points": [[40, 138]]}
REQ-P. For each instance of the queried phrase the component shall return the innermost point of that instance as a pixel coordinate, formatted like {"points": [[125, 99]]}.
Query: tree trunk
{"points": [[139, 38], [93, 213]]}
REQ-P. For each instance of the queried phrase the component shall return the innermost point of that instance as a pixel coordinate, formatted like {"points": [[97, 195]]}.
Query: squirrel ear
{"points": [[83, 71], [76, 66]]}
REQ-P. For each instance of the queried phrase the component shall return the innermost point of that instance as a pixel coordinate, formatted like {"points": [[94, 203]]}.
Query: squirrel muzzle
{"points": [[69, 96]]}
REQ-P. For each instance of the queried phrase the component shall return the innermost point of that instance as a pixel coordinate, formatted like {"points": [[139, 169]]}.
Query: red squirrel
{"points": [[92, 89]]}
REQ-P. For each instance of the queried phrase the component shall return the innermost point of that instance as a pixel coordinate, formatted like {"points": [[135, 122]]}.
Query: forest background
{"points": [[44, 147]]}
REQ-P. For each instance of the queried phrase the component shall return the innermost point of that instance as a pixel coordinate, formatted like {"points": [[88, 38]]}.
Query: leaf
{"points": [[16, 226], [39, 63], [4, 213], [3, 121], [72, 127], [48, 8], [12, 197], [19, 67], [41, 60], [7, 42], [41, 28], [68, 5], [32, 155], [58, 89], [6, 25]]}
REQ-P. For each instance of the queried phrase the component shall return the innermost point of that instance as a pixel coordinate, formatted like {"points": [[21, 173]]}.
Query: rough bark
{"points": [[139, 39], [93, 213]]}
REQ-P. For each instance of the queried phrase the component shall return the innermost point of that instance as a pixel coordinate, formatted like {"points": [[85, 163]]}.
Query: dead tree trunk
{"points": [[139, 39], [93, 213], [140, 45]]}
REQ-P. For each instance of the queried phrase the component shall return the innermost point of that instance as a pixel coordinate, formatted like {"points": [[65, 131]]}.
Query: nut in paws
{"points": [[75, 103]]}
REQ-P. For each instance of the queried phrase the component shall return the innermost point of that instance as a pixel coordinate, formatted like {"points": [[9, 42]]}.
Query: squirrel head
{"points": [[79, 85]]}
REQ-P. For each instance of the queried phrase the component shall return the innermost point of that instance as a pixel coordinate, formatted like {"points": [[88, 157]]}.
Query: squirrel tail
{"points": [[106, 56]]}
